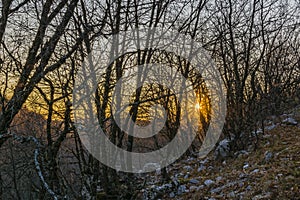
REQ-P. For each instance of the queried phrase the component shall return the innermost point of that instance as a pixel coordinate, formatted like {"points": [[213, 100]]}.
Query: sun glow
{"points": [[197, 106]]}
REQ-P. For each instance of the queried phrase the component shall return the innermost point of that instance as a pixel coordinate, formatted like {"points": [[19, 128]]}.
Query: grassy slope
{"points": [[279, 178]]}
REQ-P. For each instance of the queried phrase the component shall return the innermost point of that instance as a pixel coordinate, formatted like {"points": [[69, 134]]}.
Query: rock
{"points": [[257, 132], [186, 176], [246, 166], [254, 171], [223, 187], [267, 144], [219, 178], [149, 195], [262, 196], [248, 187], [201, 168], [208, 182], [267, 136], [242, 175], [190, 159], [188, 168], [201, 187], [158, 171], [268, 156], [193, 188], [290, 121], [204, 161], [270, 127], [175, 181], [231, 194], [216, 190], [241, 195], [181, 189], [194, 181], [153, 186], [180, 174], [223, 150], [172, 195], [167, 186]]}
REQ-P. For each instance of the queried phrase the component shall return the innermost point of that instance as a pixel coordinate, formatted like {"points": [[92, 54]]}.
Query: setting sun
{"points": [[197, 106]]}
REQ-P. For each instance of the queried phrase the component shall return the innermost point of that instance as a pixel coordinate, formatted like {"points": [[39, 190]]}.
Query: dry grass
{"points": [[279, 178]]}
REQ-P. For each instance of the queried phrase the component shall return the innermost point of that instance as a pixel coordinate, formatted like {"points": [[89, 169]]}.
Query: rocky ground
{"points": [[271, 171]]}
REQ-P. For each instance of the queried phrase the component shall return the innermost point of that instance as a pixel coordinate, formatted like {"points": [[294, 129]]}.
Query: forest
{"points": [[149, 99]]}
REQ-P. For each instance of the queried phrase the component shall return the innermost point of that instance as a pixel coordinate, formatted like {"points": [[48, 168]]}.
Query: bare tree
{"points": [[40, 58]]}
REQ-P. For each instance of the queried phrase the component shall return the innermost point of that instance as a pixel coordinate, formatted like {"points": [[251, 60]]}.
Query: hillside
{"points": [[271, 171]]}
